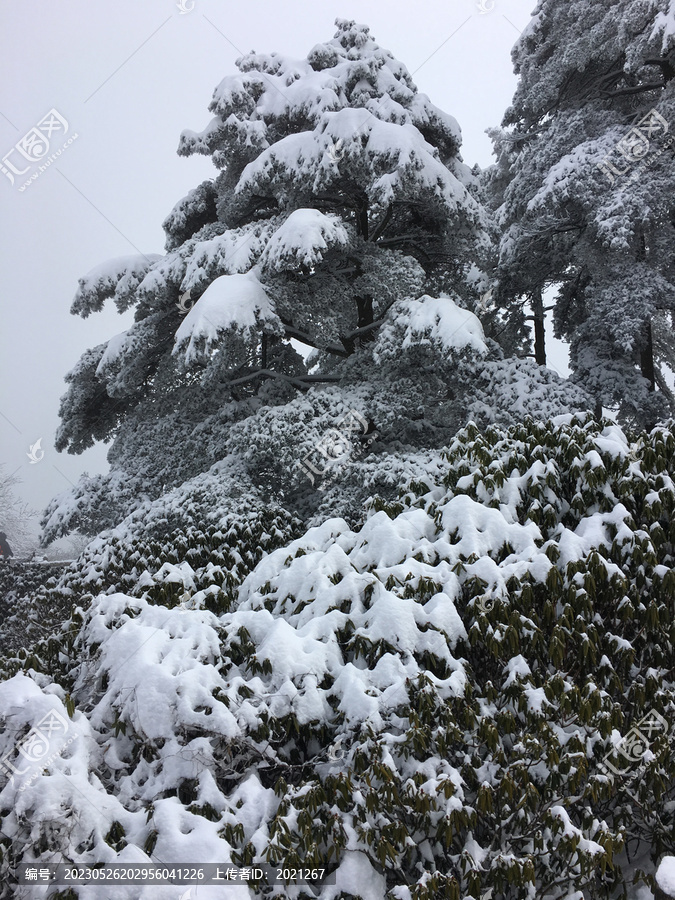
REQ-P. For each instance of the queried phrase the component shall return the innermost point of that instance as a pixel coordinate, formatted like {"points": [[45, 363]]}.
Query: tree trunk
{"points": [[362, 218], [365, 317], [539, 335], [647, 357]]}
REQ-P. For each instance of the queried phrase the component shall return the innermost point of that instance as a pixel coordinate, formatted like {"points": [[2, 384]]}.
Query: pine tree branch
{"points": [[347, 340], [292, 332], [410, 243], [664, 64], [383, 224], [518, 138], [303, 382], [638, 89]]}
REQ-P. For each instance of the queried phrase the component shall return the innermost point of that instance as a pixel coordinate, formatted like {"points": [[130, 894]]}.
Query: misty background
{"points": [[128, 78]]}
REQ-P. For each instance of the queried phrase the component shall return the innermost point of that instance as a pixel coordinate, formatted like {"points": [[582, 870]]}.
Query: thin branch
{"points": [[303, 382], [662, 63], [638, 89], [292, 332], [397, 240], [383, 224]]}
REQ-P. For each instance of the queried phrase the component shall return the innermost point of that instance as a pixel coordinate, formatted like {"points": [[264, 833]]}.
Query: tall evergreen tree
{"points": [[342, 203], [585, 184]]}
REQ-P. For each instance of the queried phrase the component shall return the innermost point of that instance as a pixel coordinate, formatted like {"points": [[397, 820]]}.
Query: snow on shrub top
{"points": [[433, 691], [665, 876]]}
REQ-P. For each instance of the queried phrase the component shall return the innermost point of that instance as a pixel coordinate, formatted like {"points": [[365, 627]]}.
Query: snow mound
{"points": [[430, 320], [665, 875], [237, 302], [303, 240]]}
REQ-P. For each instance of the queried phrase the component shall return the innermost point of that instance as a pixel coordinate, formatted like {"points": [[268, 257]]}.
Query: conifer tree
{"points": [[342, 219], [584, 186]]}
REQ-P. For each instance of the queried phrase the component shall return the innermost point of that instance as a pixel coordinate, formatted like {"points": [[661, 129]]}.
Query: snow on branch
{"points": [[236, 302], [116, 278], [303, 239], [430, 320]]}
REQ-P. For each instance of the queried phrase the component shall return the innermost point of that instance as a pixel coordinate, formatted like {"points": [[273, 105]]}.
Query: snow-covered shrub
{"points": [[428, 704]]}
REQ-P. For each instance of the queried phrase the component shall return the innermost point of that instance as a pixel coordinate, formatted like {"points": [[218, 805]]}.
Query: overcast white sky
{"points": [[129, 77]]}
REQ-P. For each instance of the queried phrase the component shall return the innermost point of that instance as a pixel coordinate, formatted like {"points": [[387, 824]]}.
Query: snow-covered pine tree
{"points": [[584, 185], [343, 218]]}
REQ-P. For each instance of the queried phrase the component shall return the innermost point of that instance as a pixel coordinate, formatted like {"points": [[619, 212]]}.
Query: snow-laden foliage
{"points": [[342, 218], [421, 704], [584, 189], [429, 371]]}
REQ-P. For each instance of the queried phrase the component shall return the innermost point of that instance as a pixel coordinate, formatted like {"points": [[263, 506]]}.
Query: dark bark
{"points": [[291, 331], [303, 382], [383, 224], [539, 334], [365, 308], [647, 357]]}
